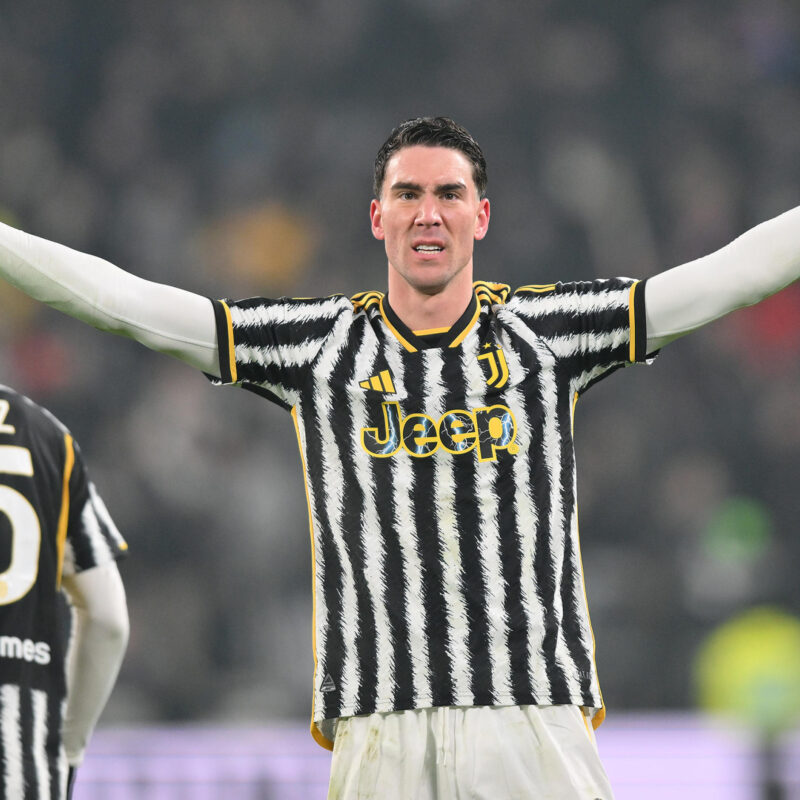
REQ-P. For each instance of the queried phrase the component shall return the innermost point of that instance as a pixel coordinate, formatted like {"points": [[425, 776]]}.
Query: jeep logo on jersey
{"points": [[486, 430]]}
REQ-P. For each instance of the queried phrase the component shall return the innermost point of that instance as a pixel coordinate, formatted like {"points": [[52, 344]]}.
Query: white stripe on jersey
{"points": [[573, 304], [105, 517], [581, 606], [39, 742], [334, 507], [320, 621], [403, 480], [101, 550], [281, 314], [374, 552], [587, 376], [449, 547], [566, 346], [551, 442], [551, 445], [527, 525], [491, 564], [13, 777], [295, 355]]}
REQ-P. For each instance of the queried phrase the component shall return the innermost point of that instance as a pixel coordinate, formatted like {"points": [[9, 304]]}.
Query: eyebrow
{"points": [[415, 187]]}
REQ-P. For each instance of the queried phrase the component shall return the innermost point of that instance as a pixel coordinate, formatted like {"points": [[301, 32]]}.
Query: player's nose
{"points": [[428, 212]]}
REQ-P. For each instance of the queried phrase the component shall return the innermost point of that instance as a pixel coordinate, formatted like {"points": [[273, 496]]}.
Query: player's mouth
{"points": [[427, 250]]}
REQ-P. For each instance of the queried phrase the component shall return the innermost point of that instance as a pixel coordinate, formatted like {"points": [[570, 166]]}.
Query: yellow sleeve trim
{"points": [[231, 350], [63, 517], [632, 322]]}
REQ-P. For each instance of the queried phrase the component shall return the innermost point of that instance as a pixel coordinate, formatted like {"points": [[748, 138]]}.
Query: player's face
{"points": [[429, 216]]}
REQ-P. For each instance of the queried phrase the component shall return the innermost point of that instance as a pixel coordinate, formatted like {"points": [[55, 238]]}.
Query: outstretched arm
{"points": [[164, 318], [97, 645], [750, 268]]}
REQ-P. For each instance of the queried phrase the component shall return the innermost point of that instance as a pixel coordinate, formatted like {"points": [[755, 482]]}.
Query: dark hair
{"points": [[431, 132]]}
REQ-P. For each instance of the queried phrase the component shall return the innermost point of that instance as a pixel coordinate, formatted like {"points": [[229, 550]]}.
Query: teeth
{"points": [[428, 248]]}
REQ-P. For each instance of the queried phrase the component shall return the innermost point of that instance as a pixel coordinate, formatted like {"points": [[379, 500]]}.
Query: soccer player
{"points": [[454, 655], [55, 534]]}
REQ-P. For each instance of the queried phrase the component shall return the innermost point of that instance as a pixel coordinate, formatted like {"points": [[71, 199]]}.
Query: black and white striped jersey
{"points": [[52, 523], [440, 475]]}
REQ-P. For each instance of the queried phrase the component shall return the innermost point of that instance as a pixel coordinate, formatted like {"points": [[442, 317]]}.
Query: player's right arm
{"points": [[164, 318], [752, 267], [96, 650]]}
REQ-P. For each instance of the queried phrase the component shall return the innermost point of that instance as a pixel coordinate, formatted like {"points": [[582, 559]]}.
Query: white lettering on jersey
{"points": [[4, 408], [24, 649]]}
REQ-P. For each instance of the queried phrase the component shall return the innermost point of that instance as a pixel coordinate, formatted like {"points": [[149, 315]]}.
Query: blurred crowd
{"points": [[227, 148]]}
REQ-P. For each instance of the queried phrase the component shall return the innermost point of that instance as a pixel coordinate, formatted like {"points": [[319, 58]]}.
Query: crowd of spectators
{"points": [[227, 148]]}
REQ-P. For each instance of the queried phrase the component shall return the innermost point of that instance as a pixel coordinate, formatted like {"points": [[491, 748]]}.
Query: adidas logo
{"points": [[327, 684], [382, 382]]}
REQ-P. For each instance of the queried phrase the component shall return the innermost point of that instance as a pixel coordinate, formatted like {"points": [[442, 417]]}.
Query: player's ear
{"points": [[376, 219], [482, 219]]}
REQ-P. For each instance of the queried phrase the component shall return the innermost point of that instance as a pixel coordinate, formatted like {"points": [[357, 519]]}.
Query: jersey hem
{"points": [[469, 702]]}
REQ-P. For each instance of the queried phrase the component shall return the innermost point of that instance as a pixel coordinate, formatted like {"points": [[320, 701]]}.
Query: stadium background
{"points": [[227, 148]]}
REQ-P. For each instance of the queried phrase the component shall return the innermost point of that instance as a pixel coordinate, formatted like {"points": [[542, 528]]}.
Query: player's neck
{"points": [[422, 311]]}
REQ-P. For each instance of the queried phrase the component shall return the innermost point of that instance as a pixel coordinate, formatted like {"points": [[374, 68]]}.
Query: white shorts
{"points": [[464, 753]]}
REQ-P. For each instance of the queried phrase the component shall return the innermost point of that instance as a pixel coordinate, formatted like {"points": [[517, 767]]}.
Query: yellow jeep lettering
{"points": [[490, 429]]}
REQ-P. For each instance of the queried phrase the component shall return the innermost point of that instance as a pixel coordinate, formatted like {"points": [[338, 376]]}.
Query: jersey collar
{"points": [[440, 337]]}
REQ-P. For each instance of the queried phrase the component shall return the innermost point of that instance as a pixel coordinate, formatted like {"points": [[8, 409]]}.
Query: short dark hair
{"points": [[431, 132]]}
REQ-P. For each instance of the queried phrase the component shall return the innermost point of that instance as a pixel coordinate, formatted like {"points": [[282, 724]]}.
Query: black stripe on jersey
{"points": [[305, 319], [541, 486], [54, 744], [436, 622], [331, 656], [353, 528], [511, 563], [571, 590], [553, 326], [474, 585], [511, 551], [396, 585], [26, 732], [468, 525]]}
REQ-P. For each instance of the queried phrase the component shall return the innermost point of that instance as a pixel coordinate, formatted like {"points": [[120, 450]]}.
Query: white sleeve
{"points": [[752, 267], [97, 645], [164, 318]]}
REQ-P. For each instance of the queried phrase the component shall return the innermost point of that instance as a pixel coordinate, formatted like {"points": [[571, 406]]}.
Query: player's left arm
{"points": [[749, 269], [97, 646]]}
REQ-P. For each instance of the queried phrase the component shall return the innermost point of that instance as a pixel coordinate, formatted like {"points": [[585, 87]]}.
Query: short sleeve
{"points": [[270, 345], [92, 539], [591, 327]]}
